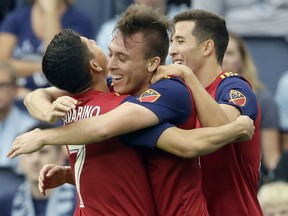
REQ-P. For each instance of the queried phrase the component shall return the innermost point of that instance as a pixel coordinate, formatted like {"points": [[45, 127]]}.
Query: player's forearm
{"points": [[38, 103], [270, 139], [217, 137], [69, 176], [123, 119], [78, 133], [201, 141], [205, 104], [26, 68]]}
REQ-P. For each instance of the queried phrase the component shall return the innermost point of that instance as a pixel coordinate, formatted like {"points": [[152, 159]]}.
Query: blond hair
{"points": [[273, 193], [248, 70]]}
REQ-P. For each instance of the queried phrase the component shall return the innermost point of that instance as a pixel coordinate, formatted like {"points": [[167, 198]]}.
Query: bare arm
{"points": [[222, 114], [270, 138], [202, 141], [52, 19], [23, 68], [51, 16], [40, 103], [126, 118], [284, 138]]}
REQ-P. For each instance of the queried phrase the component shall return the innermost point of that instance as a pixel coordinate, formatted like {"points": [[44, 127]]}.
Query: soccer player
{"points": [[104, 171], [160, 103], [231, 174]]}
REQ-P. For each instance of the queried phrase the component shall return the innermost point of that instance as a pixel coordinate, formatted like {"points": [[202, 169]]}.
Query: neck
{"points": [[206, 76], [143, 88], [99, 84], [101, 87], [40, 11]]}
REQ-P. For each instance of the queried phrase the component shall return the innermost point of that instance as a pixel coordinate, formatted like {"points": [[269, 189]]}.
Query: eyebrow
{"points": [[179, 37], [117, 53]]}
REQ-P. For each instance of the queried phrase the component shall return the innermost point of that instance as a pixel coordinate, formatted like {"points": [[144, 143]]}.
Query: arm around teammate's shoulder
{"points": [[202, 141]]}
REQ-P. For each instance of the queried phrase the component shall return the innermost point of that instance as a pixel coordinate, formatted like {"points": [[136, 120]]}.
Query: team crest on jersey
{"points": [[149, 95], [237, 97]]}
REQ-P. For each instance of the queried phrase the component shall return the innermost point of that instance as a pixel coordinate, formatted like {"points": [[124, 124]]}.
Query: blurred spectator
{"points": [[26, 200], [180, 2], [104, 37], [99, 10], [26, 31], [281, 171], [273, 198], [5, 7], [237, 59], [281, 96], [12, 120], [250, 17]]}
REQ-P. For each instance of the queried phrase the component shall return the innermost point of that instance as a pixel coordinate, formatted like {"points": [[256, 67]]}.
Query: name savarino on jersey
{"points": [[81, 112]]}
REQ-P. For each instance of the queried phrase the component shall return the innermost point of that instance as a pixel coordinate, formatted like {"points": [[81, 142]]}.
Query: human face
{"points": [[8, 90], [127, 65], [280, 209], [97, 52], [232, 59], [184, 48], [31, 164]]}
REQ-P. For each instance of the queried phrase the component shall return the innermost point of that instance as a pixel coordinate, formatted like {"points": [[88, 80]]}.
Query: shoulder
{"points": [[20, 12], [233, 80], [230, 76], [169, 82], [16, 17]]}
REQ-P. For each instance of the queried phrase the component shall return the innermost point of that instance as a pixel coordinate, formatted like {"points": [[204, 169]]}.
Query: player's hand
{"points": [[179, 70], [51, 176], [59, 108], [248, 127], [26, 143]]}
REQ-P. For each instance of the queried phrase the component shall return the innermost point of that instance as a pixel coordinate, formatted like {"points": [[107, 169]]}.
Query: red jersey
{"points": [[175, 182], [110, 177], [230, 175]]}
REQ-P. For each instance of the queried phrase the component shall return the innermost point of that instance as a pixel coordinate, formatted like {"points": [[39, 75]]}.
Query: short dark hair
{"points": [[207, 26], [139, 18], [66, 62]]}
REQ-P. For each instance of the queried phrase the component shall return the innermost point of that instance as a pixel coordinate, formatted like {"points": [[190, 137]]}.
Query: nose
{"points": [[111, 63], [172, 49]]}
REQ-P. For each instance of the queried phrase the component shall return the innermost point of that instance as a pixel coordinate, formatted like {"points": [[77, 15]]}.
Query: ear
{"points": [[153, 64], [208, 47], [94, 66]]}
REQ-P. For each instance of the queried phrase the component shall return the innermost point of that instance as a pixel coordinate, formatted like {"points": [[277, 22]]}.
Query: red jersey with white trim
{"points": [[230, 175], [175, 182], [110, 177]]}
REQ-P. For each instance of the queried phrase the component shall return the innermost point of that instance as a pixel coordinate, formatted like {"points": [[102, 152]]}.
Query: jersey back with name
{"points": [[110, 177]]}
